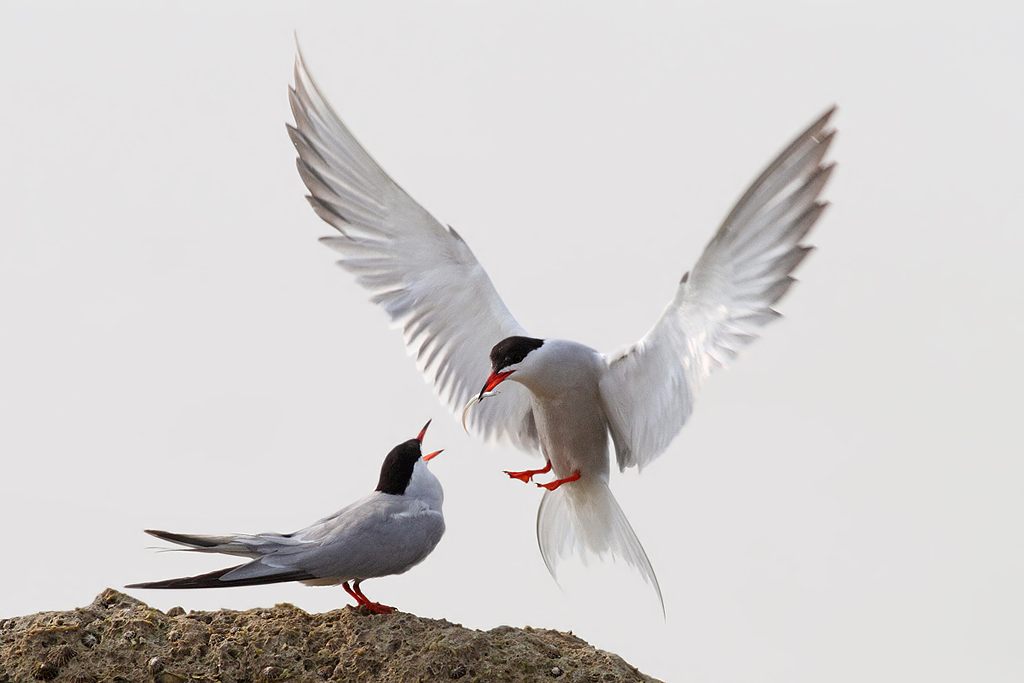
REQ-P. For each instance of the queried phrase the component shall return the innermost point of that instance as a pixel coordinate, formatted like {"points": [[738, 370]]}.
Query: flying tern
{"points": [[559, 399], [388, 532]]}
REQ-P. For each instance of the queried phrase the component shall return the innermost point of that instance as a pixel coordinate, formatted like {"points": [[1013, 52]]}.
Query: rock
{"points": [[119, 638]]}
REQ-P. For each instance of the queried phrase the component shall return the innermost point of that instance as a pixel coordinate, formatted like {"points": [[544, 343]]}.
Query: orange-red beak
{"points": [[423, 431], [494, 380], [419, 438]]}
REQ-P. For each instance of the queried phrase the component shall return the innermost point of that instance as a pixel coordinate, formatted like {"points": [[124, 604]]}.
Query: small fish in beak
{"points": [[472, 402], [494, 380]]}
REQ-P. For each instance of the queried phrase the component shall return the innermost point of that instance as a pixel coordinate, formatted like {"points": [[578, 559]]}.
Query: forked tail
{"points": [[583, 516]]}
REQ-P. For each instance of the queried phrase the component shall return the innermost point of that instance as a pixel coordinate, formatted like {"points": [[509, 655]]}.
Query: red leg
{"points": [[360, 601], [374, 607], [526, 475], [552, 485]]}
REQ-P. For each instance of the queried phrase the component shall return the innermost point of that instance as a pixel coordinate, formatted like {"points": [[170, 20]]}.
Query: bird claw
{"points": [[526, 476], [377, 608], [552, 485]]}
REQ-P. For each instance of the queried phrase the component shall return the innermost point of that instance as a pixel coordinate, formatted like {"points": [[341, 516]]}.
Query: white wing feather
{"points": [[648, 389], [423, 274]]}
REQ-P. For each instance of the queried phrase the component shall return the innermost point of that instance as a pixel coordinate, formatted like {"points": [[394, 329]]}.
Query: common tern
{"points": [[387, 532], [564, 399]]}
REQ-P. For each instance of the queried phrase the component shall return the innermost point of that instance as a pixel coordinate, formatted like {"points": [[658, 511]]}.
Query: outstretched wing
{"points": [[423, 274], [720, 306]]}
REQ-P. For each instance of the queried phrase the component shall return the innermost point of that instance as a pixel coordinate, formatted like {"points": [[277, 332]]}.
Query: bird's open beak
{"points": [[494, 380], [423, 431], [419, 438]]}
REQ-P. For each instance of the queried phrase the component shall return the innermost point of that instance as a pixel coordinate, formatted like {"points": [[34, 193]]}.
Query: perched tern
{"points": [[564, 399], [387, 532]]}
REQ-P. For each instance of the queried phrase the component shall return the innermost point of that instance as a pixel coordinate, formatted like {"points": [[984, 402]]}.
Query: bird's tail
{"points": [[583, 516], [272, 563], [243, 545]]}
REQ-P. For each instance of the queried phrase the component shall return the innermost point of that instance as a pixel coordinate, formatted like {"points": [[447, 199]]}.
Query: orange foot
{"points": [[377, 608], [371, 607], [552, 485], [526, 475]]}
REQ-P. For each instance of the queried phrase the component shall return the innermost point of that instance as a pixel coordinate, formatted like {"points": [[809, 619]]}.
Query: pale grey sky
{"points": [[178, 352]]}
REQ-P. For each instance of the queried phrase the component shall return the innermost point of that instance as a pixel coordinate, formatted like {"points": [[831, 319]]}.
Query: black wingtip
{"points": [[210, 580], [824, 118], [214, 580]]}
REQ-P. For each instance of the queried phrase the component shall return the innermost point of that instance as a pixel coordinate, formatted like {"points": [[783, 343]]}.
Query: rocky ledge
{"points": [[119, 639]]}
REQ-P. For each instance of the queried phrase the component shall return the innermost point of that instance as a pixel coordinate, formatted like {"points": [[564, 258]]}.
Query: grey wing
{"points": [[377, 536], [423, 274], [720, 306], [275, 558]]}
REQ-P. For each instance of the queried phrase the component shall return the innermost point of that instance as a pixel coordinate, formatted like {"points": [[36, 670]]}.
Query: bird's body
{"points": [[565, 400], [387, 532]]}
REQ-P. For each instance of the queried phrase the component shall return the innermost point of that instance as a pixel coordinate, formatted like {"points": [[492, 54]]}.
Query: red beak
{"points": [[423, 431], [428, 456], [494, 380]]}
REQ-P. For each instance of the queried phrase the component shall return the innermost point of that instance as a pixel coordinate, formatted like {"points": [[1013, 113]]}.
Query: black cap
{"points": [[396, 471], [512, 350]]}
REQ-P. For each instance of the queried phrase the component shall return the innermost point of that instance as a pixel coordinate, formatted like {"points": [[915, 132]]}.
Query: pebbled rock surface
{"points": [[120, 639]]}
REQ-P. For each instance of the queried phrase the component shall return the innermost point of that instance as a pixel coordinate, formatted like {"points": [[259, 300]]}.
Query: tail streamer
{"points": [[584, 517]]}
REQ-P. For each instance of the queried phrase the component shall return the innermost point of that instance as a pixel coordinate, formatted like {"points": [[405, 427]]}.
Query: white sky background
{"points": [[177, 351]]}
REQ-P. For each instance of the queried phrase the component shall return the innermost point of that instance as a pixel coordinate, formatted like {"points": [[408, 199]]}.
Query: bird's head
{"points": [[400, 464], [508, 356]]}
